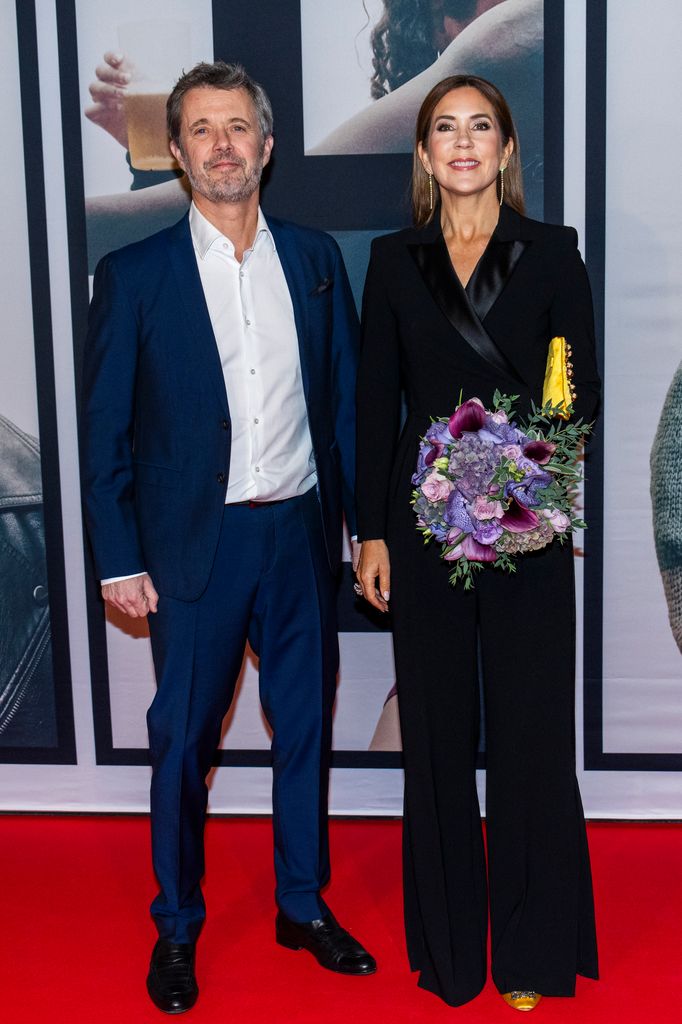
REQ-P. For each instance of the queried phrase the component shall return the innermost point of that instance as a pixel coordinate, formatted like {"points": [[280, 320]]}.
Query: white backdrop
{"points": [[642, 702]]}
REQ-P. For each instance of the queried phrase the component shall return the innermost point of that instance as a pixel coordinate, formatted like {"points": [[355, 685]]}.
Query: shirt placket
{"points": [[255, 368]]}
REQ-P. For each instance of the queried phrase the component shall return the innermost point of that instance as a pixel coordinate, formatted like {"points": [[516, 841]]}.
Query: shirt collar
{"points": [[205, 235]]}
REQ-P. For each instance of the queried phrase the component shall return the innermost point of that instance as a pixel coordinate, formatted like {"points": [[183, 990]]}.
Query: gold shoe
{"points": [[522, 1000]]}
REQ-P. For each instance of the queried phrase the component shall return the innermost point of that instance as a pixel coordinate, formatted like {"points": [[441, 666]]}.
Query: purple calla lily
{"points": [[539, 451], [469, 417], [518, 519], [478, 552]]}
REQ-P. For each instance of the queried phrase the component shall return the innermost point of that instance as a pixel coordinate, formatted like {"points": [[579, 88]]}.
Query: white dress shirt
{"points": [[252, 316]]}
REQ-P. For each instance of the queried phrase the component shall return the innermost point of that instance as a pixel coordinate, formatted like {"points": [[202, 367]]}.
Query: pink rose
{"points": [[511, 451], [484, 509], [436, 487], [559, 521]]}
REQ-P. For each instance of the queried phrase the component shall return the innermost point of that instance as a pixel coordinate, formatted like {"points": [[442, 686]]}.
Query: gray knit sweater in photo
{"points": [[666, 501]]}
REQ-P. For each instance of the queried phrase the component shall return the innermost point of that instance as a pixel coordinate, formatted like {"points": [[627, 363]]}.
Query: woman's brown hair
{"points": [[513, 179]]}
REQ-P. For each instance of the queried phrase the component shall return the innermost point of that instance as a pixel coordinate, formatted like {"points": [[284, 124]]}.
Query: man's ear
{"points": [[177, 153], [267, 149]]}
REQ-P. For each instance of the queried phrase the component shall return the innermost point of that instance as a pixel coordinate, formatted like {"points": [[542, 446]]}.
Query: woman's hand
{"points": [[375, 563]]}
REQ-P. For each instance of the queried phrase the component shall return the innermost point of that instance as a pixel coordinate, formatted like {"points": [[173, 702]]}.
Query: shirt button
{"points": [[256, 420], [220, 478], [248, 323], [241, 273], [252, 371], [258, 469]]}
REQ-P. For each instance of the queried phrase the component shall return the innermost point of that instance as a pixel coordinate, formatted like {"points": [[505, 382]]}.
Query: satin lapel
{"points": [[191, 293], [299, 289], [492, 273], [433, 261]]}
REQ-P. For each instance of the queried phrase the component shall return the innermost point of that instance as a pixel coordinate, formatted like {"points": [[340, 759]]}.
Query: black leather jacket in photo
{"points": [[27, 707]]}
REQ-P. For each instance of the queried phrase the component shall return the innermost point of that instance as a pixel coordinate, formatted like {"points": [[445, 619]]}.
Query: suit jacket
{"points": [[155, 414], [429, 338]]}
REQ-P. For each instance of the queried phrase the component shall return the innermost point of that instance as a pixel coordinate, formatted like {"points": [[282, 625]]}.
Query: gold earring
{"points": [[501, 185]]}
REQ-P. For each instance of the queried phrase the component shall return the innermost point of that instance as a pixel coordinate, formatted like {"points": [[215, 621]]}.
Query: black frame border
{"points": [[36, 213], [596, 758]]}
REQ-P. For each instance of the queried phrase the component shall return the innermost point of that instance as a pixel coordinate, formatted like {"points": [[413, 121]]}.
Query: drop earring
{"points": [[430, 192], [501, 185]]}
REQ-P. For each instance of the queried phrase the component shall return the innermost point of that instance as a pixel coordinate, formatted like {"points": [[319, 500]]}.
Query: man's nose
{"points": [[222, 139]]}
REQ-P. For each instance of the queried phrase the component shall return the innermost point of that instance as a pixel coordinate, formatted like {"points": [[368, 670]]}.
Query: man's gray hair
{"points": [[217, 76]]}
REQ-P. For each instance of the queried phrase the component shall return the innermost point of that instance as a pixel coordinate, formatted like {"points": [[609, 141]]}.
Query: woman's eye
{"points": [[481, 125], [444, 127]]}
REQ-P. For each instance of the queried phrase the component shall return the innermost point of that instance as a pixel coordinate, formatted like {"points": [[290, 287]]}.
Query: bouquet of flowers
{"points": [[488, 489]]}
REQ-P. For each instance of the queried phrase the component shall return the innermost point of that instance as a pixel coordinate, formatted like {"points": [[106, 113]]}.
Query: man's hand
{"points": [[134, 597], [355, 549], [375, 563], [108, 93]]}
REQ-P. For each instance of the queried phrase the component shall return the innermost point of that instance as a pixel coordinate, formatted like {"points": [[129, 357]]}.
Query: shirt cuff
{"points": [[119, 579]]}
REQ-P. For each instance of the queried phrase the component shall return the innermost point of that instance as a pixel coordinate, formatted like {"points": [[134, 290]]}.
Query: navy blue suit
{"points": [[156, 458]]}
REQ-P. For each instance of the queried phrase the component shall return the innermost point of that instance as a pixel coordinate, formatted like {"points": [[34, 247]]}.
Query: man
{"points": [[218, 452]]}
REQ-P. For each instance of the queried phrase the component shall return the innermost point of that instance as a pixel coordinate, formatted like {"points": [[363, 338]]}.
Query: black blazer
{"points": [[425, 335]]}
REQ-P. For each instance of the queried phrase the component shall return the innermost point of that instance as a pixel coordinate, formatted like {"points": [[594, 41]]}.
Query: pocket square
{"points": [[323, 286]]}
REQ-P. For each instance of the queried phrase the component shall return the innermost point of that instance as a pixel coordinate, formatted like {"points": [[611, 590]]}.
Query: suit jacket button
{"points": [[224, 424], [220, 478], [40, 595]]}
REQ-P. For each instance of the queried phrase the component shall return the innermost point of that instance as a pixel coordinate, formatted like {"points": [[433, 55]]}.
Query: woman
{"points": [[466, 302], [412, 34], [416, 43]]}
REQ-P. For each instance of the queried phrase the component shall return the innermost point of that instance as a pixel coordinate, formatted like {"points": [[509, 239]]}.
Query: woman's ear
{"points": [[424, 157], [506, 153]]}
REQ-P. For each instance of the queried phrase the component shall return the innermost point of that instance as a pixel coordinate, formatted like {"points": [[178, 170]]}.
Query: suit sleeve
{"points": [[345, 345], [378, 399], [107, 424], [572, 317]]}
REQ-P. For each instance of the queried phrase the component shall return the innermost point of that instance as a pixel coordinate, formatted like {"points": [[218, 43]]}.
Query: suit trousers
{"points": [[271, 585], [522, 627]]}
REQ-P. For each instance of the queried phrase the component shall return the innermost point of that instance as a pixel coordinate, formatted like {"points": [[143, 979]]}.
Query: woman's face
{"points": [[465, 148]]}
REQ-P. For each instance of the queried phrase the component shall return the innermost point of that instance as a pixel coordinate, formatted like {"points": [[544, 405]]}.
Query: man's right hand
{"points": [[108, 93], [134, 597]]}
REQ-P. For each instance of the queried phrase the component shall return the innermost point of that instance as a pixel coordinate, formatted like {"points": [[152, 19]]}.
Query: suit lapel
{"points": [[191, 293], [492, 272], [299, 288], [433, 261]]}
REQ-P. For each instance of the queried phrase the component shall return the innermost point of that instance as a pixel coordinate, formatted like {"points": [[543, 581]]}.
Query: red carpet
{"points": [[77, 935]]}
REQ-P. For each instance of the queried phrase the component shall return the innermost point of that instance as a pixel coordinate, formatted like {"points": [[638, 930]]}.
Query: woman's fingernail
{"points": [[386, 595]]}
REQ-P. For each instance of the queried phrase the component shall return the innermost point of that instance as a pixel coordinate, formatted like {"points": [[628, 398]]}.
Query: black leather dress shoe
{"points": [[331, 945], [171, 982]]}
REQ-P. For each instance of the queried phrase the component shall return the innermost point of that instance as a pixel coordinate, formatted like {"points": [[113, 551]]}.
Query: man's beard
{"points": [[234, 188]]}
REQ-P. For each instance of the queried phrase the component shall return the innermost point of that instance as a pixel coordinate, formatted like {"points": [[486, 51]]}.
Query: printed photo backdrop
{"points": [[35, 686], [77, 186]]}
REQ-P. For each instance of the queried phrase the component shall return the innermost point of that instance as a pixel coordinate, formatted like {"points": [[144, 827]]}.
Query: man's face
{"points": [[221, 148]]}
